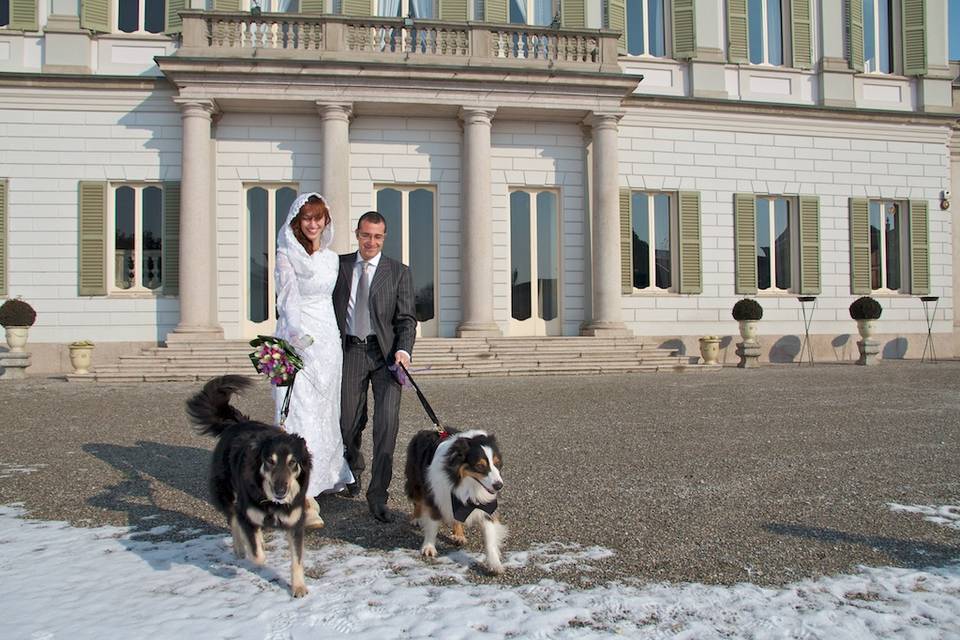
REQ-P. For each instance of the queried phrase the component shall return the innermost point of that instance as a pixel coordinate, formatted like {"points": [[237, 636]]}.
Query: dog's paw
{"points": [[495, 567], [428, 551], [458, 539], [259, 559], [298, 590]]}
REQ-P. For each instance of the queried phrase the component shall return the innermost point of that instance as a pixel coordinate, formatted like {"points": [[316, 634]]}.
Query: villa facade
{"points": [[547, 167]]}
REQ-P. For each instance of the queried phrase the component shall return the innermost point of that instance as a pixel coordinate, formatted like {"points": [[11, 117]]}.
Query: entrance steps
{"points": [[433, 357]]}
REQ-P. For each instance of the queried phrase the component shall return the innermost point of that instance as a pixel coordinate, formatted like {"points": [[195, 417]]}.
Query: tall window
{"points": [[766, 28], [534, 261], [889, 240], [654, 231], [137, 219], [411, 238], [532, 12], [266, 211], [141, 16], [878, 38], [775, 243], [422, 9], [646, 27]]}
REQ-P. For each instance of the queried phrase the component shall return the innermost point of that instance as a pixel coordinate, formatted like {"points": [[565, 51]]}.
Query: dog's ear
{"points": [[458, 451]]}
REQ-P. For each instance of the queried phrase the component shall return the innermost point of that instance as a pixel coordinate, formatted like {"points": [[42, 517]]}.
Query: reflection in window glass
{"points": [[877, 36], [520, 255], [283, 198], [646, 32], [128, 15], [4, 13], [124, 236], [781, 230], [390, 206], [764, 252], [154, 15], [257, 248], [641, 241], [421, 252], [652, 240], [152, 230], [661, 229], [765, 31], [892, 232], [548, 261], [774, 244]]}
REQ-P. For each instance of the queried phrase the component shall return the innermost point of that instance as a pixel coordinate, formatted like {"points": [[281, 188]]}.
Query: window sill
{"points": [[136, 295]]}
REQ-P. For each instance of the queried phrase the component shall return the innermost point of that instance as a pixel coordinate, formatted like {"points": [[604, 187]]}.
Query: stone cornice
{"points": [[83, 81]]}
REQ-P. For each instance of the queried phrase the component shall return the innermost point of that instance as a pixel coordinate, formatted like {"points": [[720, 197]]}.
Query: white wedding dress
{"points": [[305, 305]]}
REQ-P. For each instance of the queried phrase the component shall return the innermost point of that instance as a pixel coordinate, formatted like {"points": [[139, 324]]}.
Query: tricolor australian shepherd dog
{"points": [[455, 479], [258, 474]]}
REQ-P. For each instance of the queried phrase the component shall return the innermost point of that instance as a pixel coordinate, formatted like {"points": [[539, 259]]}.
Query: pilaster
{"points": [[335, 179]]}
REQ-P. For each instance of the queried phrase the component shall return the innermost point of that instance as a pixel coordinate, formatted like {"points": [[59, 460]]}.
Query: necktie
{"points": [[361, 308]]}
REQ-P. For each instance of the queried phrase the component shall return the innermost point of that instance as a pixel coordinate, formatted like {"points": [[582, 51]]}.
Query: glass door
{"points": [[266, 211], [411, 239], [534, 264]]}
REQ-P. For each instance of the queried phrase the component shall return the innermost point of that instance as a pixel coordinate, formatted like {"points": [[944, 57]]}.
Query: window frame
{"points": [[674, 243], [141, 17], [137, 288], [666, 26], [896, 38], [530, 4], [904, 241], [786, 35], [793, 224], [535, 322]]}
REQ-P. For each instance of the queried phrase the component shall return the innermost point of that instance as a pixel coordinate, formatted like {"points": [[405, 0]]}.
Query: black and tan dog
{"points": [[454, 479], [258, 474]]}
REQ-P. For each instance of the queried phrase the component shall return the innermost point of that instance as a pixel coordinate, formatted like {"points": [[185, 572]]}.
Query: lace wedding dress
{"points": [[305, 305]]}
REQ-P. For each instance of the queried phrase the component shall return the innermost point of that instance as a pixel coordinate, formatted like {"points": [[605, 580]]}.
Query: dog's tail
{"points": [[210, 409]]}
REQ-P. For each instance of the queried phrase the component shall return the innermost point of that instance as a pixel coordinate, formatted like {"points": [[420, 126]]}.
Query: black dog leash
{"points": [[426, 405]]}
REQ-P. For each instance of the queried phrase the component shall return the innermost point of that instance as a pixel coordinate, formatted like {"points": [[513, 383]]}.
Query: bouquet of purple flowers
{"points": [[276, 359]]}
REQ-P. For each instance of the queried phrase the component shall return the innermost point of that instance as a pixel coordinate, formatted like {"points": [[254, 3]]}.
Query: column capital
{"points": [[476, 115], [603, 119], [197, 107], [342, 111]]}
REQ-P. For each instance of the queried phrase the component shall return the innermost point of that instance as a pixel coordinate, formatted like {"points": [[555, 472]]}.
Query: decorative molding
{"points": [[342, 111]]}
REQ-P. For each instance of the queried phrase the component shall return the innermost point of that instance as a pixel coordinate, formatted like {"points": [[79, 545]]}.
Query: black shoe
{"points": [[353, 489], [379, 512]]}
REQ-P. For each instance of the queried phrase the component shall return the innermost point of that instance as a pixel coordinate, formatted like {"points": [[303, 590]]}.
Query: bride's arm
{"points": [[288, 301]]}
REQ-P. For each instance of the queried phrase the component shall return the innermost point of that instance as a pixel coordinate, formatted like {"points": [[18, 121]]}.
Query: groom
{"points": [[373, 302]]}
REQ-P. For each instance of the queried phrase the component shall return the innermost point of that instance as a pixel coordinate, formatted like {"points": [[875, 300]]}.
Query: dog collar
{"points": [[462, 510]]}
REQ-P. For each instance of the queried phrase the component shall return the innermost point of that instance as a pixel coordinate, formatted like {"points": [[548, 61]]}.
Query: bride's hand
{"points": [[302, 342]]}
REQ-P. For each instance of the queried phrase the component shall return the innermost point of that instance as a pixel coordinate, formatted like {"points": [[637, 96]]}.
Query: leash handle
{"points": [[423, 400]]}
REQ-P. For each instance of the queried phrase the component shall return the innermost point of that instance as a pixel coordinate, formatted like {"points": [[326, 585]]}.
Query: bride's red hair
{"points": [[313, 208]]}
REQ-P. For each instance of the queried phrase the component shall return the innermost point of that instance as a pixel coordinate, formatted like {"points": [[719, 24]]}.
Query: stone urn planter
{"points": [[81, 356], [17, 317], [747, 313], [709, 349], [866, 328], [866, 311]]}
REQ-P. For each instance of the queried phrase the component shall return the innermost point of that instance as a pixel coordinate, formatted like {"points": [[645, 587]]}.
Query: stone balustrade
{"points": [[305, 37]]}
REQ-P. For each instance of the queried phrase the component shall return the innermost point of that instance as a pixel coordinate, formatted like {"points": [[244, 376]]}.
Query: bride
{"points": [[306, 273]]}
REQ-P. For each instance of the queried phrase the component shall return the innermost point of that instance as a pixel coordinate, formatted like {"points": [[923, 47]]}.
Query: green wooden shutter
{"points": [[93, 238], [809, 245], [453, 10], [801, 34], [626, 243], [23, 15], [3, 237], [745, 243], [919, 248], [495, 11], [737, 28], [171, 238], [860, 246], [684, 17], [855, 34], [617, 18], [174, 21], [914, 37], [691, 258], [313, 7], [95, 15], [232, 6], [573, 14]]}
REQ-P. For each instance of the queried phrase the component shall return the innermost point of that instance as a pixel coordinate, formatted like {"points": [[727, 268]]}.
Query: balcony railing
{"points": [[305, 37]]}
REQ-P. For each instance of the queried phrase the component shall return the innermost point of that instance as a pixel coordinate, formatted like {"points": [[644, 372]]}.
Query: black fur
{"points": [[420, 452], [244, 453]]}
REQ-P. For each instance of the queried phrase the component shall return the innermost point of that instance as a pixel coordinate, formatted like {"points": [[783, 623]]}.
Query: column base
{"points": [[605, 329], [13, 365], [749, 353], [194, 334], [479, 330]]}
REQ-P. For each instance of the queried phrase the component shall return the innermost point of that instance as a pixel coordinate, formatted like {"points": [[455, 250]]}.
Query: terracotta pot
{"points": [[17, 338]]}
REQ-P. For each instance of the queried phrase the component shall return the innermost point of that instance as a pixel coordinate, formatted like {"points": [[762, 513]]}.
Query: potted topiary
{"points": [[748, 312], [81, 355], [866, 311], [17, 317]]}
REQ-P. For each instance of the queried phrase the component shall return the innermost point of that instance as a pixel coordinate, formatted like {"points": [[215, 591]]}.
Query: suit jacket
{"points": [[392, 312]]}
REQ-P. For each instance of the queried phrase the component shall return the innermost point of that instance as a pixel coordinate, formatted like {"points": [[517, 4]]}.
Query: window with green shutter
{"points": [[776, 244], [684, 29], [887, 36], [496, 11], [23, 15], [854, 13], [573, 14], [889, 246], [745, 243], [809, 219], [737, 32], [801, 34], [171, 239], [454, 10], [4, 198], [914, 37], [769, 32], [174, 21], [313, 7], [234, 5], [690, 249], [95, 15], [919, 248], [859, 246], [617, 21]]}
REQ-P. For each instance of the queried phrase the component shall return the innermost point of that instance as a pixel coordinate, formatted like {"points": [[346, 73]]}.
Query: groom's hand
{"points": [[402, 357]]}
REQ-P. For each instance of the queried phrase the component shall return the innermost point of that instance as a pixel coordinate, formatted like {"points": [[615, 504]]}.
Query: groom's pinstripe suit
{"points": [[393, 322]]}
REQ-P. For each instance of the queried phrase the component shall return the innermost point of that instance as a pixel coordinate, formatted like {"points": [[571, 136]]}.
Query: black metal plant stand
{"points": [[807, 320], [929, 316]]}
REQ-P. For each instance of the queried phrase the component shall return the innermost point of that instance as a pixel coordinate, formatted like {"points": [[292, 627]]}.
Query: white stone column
{"points": [[476, 230], [607, 318], [198, 318], [335, 180]]}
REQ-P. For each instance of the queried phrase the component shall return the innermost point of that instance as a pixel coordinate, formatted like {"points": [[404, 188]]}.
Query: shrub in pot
{"points": [[866, 311], [17, 317], [747, 312]]}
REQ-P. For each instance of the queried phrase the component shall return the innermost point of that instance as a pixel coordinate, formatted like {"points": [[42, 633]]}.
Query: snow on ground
{"points": [[59, 581]]}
